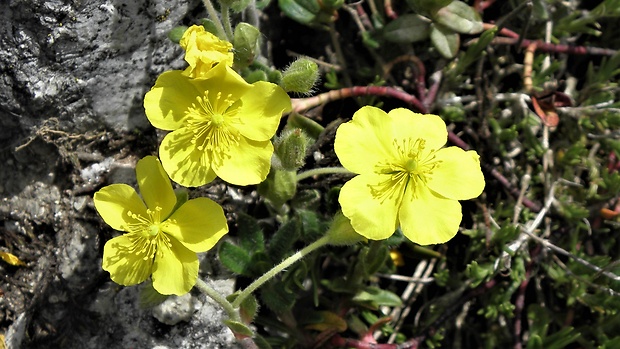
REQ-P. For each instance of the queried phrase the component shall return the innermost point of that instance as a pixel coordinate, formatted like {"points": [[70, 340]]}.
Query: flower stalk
{"points": [[323, 171], [279, 268], [207, 290]]}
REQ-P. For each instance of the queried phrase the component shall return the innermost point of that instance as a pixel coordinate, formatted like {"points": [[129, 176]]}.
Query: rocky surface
{"points": [[72, 77]]}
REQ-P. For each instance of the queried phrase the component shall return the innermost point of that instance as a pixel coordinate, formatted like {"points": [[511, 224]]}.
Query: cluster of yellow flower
{"points": [[221, 126]]}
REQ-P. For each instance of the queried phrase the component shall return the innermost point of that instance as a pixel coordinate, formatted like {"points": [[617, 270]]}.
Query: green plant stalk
{"points": [[221, 33], [278, 268], [321, 171], [202, 286], [226, 20]]}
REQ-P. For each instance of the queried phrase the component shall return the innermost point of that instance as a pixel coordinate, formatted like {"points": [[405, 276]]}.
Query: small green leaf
{"points": [[250, 234], [238, 328], [375, 257], [407, 29], [281, 244], [375, 297], [459, 17], [445, 40], [276, 297], [248, 309], [302, 11], [426, 7], [176, 33], [234, 258]]}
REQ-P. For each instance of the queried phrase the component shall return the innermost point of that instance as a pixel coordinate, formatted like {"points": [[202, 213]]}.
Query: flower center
{"points": [[145, 233], [213, 122], [409, 170]]}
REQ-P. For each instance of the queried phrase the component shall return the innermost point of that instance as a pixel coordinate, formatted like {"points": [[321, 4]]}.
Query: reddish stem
{"points": [[302, 104], [388, 9], [338, 341], [512, 38]]}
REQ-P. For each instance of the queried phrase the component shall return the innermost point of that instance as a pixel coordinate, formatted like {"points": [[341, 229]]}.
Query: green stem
{"points": [[321, 171], [221, 33], [226, 20], [278, 268], [218, 298]]}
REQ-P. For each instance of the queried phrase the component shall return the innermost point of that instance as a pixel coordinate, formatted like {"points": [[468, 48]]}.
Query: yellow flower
{"points": [[221, 126], [405, 177], [203, 50], [159, 240]]}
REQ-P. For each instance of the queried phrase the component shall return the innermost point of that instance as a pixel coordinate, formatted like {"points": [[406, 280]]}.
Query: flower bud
{"points": [[341, 233], [203, 51], [246, 43], [290, 148], [176, 33], [300, 76]]}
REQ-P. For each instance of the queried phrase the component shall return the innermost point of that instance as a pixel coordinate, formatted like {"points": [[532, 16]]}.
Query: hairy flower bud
{"points": [[246, 43], [300, 76], [290, 148]]}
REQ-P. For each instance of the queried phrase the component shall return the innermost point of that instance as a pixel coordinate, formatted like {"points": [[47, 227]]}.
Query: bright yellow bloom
{"points": [[221, 126], [204, 50], [405, 177], [159, 240]]}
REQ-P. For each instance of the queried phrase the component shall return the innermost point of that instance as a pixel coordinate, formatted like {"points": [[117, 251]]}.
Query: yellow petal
{"points": [[11, 259], [126, 264], [167, 102], [370, 216], [183, 162], [175, 269], [365, 140], [198, 224], [222, 80], [248, 162], [262, 109], [429, 219], [458, 175], [155, 186], [410, 125], [114, 201]]}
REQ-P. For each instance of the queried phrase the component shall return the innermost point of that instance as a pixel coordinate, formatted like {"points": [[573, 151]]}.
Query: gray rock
{"points": [[176, 309], [73, 74]]}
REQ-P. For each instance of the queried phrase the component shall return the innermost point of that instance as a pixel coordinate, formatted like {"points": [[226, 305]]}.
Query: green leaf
{"points": [[235, 258], [445, 40], [176, 33], [239, 5], [250, 234], [374, 297], [238, 328], [281, 244], [374, 257], [407, 29], [561, 339], [248, 309], [302, 11], [426, 7], [276, 297], [459, 17], [474, 51], [535, 342], [311, 226]]}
